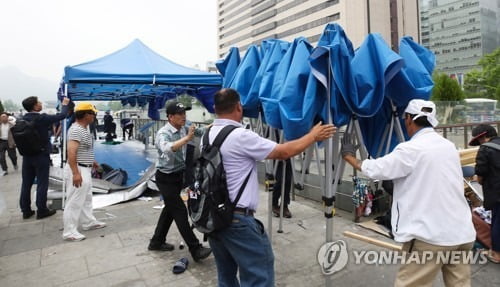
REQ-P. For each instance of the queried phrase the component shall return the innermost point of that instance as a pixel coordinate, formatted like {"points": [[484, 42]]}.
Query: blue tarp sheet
{"points": [[243, 79], [134, 163]]}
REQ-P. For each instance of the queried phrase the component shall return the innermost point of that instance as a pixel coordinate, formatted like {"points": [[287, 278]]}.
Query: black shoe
{"points": [[49, 212], [200, 253], [28, 214], [162, 247], [276, 211]]}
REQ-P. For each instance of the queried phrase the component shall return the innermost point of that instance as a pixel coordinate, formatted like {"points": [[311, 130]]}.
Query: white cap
{"points": [[416, 106]]}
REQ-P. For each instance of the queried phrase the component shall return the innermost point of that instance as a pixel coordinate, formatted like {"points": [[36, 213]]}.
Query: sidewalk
{"points": [[32, 252]]}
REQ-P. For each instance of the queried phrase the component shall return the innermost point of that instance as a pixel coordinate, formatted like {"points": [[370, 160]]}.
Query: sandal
{"points": [[180, 266], [492, 259]]}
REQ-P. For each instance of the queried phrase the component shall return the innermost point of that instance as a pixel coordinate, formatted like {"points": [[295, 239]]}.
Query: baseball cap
{"points": [[481, 131], [175, 107], [416, 107], [85, 106]]}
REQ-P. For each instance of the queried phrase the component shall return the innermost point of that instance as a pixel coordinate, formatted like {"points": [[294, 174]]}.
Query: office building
{"points": [[460, 32], [243, 23]]}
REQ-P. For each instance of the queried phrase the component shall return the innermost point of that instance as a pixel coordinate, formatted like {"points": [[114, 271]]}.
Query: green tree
{"points": [[1, 107], [446, 89], [115, 106], [485, 83], [10, 106]]}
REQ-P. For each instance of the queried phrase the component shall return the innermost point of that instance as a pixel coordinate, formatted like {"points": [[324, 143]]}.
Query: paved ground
{"points": [[32, 252]]}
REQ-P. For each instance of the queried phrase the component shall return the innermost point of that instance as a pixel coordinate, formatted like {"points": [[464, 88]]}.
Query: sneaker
{"points": [[41, 215], [94, 225], [4, 173], [161, 247], [200, 253], [74, 237]]}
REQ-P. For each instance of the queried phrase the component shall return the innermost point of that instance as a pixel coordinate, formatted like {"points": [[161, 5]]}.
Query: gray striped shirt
{"points": [[85, 152]]}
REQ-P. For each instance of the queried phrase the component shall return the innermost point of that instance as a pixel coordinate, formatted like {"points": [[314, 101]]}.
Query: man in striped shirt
{"points": [[79, 179], [171, 142]]}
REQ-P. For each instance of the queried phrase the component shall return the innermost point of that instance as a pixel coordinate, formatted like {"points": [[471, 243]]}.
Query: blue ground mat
{"points": [[130, 156]]}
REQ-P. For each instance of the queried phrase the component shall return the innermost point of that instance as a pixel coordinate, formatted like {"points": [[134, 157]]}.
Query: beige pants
{"points": [[423, 274]]}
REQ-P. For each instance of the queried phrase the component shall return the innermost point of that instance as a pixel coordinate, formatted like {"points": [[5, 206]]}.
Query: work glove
{"points": [[348, 146]]}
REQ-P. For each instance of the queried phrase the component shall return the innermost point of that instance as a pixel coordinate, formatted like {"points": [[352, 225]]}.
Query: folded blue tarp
{"points": [[413, 81], [228, 66], [270, 104], [243, 79], [330, 64]]}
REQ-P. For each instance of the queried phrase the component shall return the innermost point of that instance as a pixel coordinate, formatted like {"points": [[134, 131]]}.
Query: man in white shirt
{"points": [[7, 143], [244, 247], [429, 210]]}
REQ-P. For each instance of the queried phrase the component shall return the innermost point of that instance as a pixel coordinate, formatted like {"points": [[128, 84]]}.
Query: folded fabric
{"points": [[180, 266]]}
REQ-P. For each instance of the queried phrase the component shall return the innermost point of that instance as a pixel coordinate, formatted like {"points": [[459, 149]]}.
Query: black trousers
{"points": [[35, 166], [4, 146], [127, 129], [279, 181], [170, 186]]}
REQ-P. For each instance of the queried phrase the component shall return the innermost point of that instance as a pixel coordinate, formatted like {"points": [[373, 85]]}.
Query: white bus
{"points": [[480, 110]]}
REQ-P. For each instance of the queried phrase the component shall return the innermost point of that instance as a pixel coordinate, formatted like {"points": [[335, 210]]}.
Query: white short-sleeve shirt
{"points": [[240, 151]]}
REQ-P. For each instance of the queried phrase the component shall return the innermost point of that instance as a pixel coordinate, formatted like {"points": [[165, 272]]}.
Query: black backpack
{"points": [[26, 137], [209, 205]]}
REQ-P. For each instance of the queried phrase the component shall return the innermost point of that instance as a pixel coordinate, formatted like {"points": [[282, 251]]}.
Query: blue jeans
{"points": [[245, 246]]}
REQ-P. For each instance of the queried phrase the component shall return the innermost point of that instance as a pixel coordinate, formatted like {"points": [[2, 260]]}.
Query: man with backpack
{"points": [[171, 142], [244, 247], [38, 164]]}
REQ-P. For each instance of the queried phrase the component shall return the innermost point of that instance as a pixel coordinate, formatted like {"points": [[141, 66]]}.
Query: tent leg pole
{"points": [[64, 152], [283, 181]]}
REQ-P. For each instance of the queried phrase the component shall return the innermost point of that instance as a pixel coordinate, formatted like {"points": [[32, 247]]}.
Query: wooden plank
{"points": [[468, 156], [373, 241]]}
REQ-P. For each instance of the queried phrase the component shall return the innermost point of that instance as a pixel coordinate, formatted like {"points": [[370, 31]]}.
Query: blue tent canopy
{"points": [[138, 64], [137, 75]]}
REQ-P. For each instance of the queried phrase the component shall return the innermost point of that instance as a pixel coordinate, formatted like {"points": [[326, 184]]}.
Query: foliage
{"points": [[185, 99], [10, 106], [115, 106], [446, 88], [485, 83], [1, 107]]}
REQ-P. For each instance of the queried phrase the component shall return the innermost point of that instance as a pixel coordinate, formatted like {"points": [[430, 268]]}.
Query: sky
{"points": [[41, 37]]}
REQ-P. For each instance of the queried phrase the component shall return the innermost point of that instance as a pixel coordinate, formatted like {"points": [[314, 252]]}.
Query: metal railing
{"points": [[460, 134]]}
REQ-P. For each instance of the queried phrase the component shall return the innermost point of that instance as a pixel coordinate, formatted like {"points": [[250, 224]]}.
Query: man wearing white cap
{"points": [[430, 214], [78, 207]]}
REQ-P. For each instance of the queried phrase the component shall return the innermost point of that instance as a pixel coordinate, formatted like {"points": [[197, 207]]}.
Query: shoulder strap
{"points": [[240, 192], [219, 139], [492, 145]]}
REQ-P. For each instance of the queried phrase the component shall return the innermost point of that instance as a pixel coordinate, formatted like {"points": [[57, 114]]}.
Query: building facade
{"points": [[460, 32], [245, 23]]}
